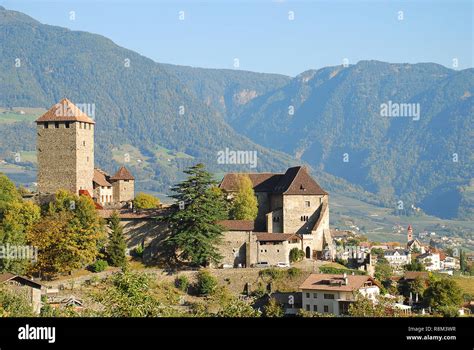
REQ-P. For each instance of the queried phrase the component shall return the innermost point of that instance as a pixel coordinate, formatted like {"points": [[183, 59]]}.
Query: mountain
{"points": [[424, 160], [161, 118]]}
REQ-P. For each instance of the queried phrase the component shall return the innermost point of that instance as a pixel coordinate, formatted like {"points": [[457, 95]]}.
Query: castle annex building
{"points": [[293, 212], [65, 148]]}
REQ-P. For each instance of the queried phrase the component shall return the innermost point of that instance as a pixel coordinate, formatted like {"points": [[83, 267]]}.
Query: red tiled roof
{"points": [[100, 179], [6, 276], [335, 282], [65, 110], [238, 225], [411, 275], [295, 180], [122, 174]]}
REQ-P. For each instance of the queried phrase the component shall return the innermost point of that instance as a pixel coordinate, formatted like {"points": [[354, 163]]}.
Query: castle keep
{"points": [[65, 148]]}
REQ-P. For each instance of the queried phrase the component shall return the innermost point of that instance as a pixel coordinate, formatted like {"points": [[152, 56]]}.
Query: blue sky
{"points": [[263, 38]]}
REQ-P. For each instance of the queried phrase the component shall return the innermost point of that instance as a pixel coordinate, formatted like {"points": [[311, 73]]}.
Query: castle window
{"points": [[56, 125], [125, 180], [87, 158], [302, 188], [307, 204], [80, 125], [67, 125], [46, 125], [83, 143]]}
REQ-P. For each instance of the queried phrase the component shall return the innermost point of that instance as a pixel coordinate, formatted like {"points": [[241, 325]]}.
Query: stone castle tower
{"points": [[65, 148]]}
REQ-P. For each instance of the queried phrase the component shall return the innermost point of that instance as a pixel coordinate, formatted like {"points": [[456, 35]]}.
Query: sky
{"points": [[285, 37]]}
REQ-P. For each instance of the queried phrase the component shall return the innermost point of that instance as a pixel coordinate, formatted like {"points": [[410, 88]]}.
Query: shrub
{"points": [[145, 201], [206, 283], [296, 255], [335, 270], [99, 266], [182, 283], [272, 273], [293, 272], [138, 251]]}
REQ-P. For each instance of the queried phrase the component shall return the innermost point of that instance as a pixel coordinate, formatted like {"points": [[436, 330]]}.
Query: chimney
{"points": [[346, 280]]}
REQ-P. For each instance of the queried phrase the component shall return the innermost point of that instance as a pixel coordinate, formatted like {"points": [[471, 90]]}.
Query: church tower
{"points": [[65, 149], [409, 233]]}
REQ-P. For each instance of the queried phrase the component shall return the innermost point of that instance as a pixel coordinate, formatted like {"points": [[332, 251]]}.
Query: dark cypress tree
{"points": [[195, 233], [116, 247]]}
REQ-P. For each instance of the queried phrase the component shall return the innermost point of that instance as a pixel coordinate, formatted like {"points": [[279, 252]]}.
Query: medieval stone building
{"points": [[293, 212], [65, 148]]}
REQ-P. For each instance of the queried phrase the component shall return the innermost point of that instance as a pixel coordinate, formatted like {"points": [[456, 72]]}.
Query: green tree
{"points": [[244, 205], [383, 272], [145, 201], [69, 236], [206, 283], [296, 254], [18, 218], [194, 232], [443, 292], [116, 246], [273, 309], [8, 193], [128, 294], [14, 304], [415, 265], [365, 307], [237, 308]]}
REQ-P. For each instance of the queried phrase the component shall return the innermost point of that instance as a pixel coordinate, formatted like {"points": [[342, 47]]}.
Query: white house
{"points": [[450, 263], [430, 260], [397, 257], [332, 293]]}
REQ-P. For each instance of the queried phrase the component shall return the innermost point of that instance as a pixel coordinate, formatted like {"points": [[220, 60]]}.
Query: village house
{"points": [[21, 285], [430, 260], [293, 212], [332, 293], [397, 258], [65, 149]]}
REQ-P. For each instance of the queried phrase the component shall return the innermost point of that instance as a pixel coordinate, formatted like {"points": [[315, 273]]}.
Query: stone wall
{"points": [[275, 252], [124, 191], [294, 207], [233, 248], [65, 157], [84, 156], [56, 158]]}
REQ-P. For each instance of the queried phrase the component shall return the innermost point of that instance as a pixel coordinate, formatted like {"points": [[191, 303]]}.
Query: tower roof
{"points": [[122, 174], [65, 111]]}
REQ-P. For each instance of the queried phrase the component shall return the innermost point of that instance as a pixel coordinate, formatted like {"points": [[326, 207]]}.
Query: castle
{"points": [[293, 212], [65, 149]]}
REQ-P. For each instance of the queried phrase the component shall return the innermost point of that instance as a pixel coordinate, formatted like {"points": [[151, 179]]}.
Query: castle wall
{"points": [[275, 252], [233, 248], [123, 190], [294, 207], [263, 208]]}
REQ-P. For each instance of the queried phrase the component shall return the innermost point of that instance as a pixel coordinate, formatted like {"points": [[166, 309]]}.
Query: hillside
{"points": [[337, 127]]}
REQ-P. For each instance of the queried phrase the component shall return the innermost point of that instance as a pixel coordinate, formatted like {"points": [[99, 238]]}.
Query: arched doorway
{"points": [[308, 253]]}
